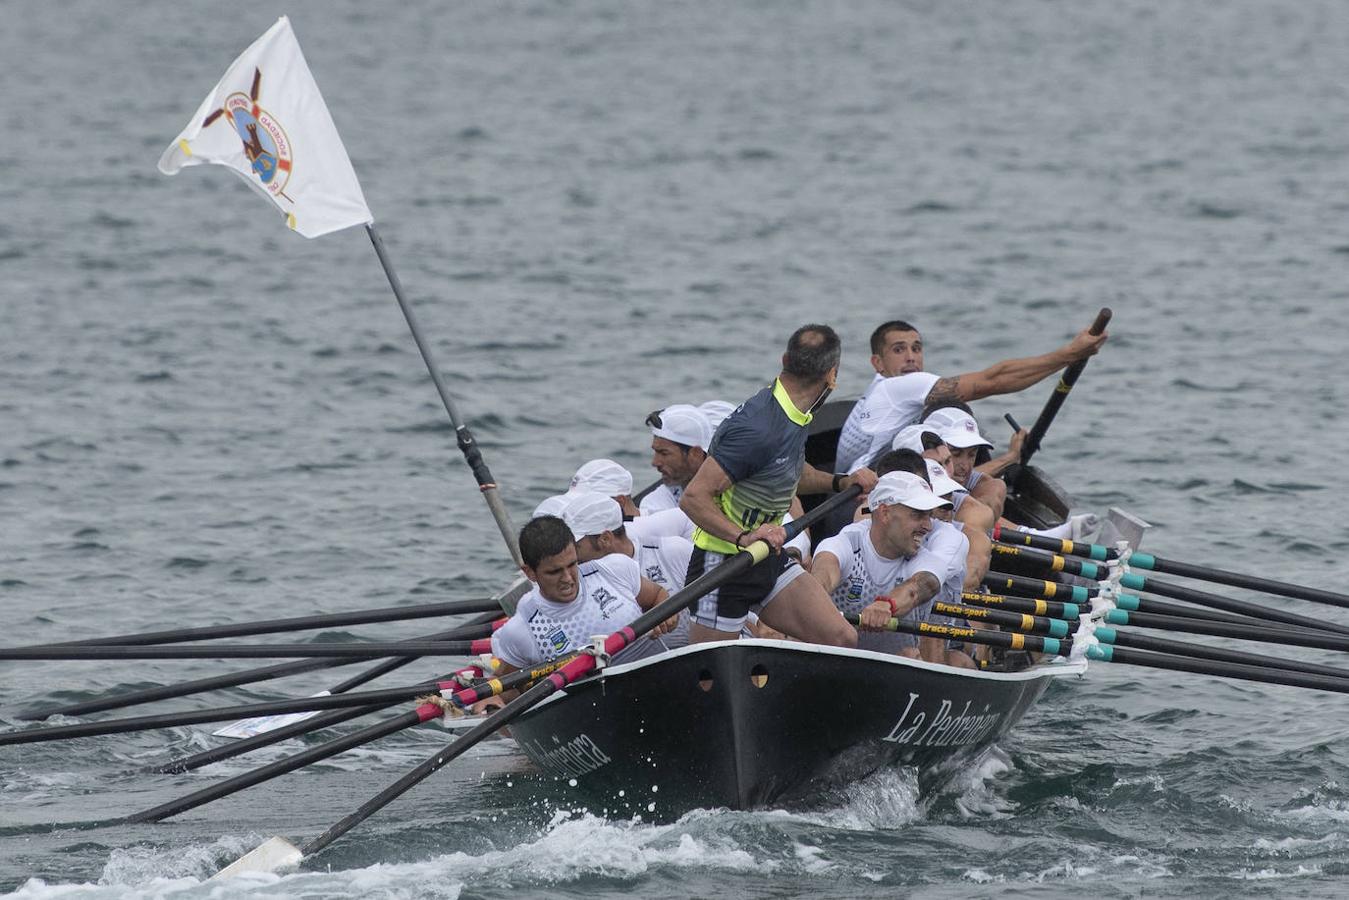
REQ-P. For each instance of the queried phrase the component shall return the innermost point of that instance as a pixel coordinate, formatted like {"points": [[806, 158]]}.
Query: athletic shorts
{"points": [[727, 607]]}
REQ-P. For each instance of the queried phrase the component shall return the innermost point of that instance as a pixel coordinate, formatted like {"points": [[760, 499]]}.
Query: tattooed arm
{"points": [[1012, 375]]}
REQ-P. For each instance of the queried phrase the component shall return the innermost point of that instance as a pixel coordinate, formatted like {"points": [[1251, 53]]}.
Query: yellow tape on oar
{"points": [[1018, 642]]}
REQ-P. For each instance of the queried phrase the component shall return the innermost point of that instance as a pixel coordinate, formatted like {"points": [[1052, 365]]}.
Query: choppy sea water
{"points": [[601, 208]]}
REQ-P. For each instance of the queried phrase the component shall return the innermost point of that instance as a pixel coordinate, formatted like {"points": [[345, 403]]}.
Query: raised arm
{"points": [[1012, 375]]}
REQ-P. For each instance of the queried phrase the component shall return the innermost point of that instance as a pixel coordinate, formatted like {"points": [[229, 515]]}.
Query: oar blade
{"points": [[272, 854]]}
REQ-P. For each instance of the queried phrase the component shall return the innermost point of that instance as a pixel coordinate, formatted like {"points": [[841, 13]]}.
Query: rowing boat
{"points": [[749, 723]]}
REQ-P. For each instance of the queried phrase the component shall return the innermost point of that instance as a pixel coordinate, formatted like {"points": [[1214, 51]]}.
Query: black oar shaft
{"points": [[577, 668], [1021, 586], [1061, 391], [1117, 638], [1062, 546], [473, 629], [1010, 639], [296, 623], [1268, 635], [1019, 621], [423, 713], [251, 651], [1035, 607], [1161, 607], [1213, 667], [1135, 581], [265, 739], [1236, 579], [1051, 561]]}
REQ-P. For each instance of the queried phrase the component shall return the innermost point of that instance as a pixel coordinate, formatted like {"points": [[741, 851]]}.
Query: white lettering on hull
{"points": [[576, 757], [942, 729]]}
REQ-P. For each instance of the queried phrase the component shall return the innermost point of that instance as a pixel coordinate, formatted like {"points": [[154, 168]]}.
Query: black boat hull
{"points": [[748, 723]]}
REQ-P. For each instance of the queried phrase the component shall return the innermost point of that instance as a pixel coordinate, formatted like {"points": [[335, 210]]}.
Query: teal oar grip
{"points": [[1098, 553], [1117, 617], [1143, 560], [1072, 611], [1126, 601], [1089, 570], [1080, 594], [1058, 628], [1130, 580], [1051, 645], [1101, 653], [1105, 634]]}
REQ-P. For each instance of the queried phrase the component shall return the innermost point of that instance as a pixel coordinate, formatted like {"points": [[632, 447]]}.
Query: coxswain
{"points": [[680, 435], [571, 602], [754, 467], [877, 569], [901, 389]]}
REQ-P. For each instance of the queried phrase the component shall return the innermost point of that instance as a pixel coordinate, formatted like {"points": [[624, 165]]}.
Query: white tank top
{"points": [[865, 573]]}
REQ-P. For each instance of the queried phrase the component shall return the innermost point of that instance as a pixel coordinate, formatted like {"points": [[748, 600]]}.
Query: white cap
{"points": [[603, 476], [716, 412], [910, 437], [958, 428], [906, 489], [588, 513], [942, 484], [552, 506], [682, 424]]}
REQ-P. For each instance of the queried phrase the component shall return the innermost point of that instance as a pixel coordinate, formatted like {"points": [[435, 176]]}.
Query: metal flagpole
{"points": [[467, 444]]}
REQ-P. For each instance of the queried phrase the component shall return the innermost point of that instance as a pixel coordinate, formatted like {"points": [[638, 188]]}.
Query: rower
{"points": [[604, 476], [960, 432], [680, 435], [599, 528], [877, 568], [754, 466], [901, 388], [571, 603], [968, 577]]}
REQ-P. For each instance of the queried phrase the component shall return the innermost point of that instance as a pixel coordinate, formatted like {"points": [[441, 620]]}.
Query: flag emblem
{"points": [[265, 143]]}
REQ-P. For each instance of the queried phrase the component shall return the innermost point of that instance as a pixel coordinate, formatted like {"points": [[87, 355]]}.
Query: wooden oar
{"points": [[1061, 391], [1012, 640], [297, 623], [1020, 621], [1036, 587], [1052, 561], [1136, 582], [1265, 634], [321, 649], [1235, 579], [1105, 653], [1062, 546], [277, 851], [473, 629], [1116, 637]]}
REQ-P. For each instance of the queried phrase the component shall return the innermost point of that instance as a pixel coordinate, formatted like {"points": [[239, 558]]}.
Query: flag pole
{"points": [[467, 444]]}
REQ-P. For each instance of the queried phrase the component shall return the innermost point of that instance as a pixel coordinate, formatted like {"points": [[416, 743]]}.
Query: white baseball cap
{"points": [[905, 489], [910, 437], [716, 412], [603, 476], [552, 506], [588, 513], [681, 423], [958, 428], [942, 484]]}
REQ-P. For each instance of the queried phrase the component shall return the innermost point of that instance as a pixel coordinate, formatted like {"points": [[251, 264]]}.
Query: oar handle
{"points": [[1061, 391]]}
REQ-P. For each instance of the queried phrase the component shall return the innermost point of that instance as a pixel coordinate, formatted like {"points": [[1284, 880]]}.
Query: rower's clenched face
{"points": [[903, 529], [962, 463], [901, 355], [557, 576], [676, 465]]}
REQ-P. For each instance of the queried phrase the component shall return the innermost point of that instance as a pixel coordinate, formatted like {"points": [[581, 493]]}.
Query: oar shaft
{"points": [[1021, 586], [1236, 579], [1010, 639], [256, 651], [1062, 546], [1107, 635], [1061, 391], [265, 739], [1298, 638], [1213, 667], [1051, 561], [297, 623], [1051, 608], [1135, 581], [247, 676], [468, 445], [1132, 603], [1020, 621]]}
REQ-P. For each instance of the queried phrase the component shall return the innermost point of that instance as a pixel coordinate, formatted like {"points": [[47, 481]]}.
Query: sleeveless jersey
{"points": [[542, 630], [886, 407], [865, 574], [665, 561]]}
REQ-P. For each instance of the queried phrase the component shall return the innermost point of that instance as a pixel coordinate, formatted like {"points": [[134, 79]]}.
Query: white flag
{"points": [[267, 121]]}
